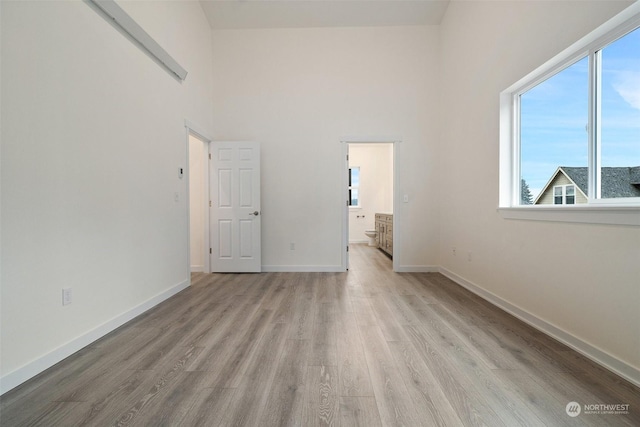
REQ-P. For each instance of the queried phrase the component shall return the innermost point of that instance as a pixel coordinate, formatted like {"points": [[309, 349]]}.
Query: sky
{"points": [[554, 115]]}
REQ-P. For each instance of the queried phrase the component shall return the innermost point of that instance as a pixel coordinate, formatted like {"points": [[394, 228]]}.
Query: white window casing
{"points": [[623, 211]]}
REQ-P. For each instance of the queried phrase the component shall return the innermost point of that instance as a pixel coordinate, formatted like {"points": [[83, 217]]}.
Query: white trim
{"points": [[126, 23], [303, 269], [509, 160], [197, 268], [370, 139], [586, 214], [564, 195], [33, 368], [600, 357], [418, 269], [194, 130]]}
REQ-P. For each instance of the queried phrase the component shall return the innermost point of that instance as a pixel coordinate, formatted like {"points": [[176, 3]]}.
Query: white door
{"points": [[235, 207]]}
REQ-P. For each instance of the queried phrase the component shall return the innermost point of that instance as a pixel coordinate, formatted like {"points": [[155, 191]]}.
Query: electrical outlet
{"points": [[469, 256], [66, 296], [292, 246], [453, 251]]}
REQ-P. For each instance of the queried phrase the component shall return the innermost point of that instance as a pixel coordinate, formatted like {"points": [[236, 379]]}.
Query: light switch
{"points": [[405, 198]]}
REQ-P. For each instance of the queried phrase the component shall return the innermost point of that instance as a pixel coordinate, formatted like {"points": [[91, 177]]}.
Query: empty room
{"points": [[332, 212]]}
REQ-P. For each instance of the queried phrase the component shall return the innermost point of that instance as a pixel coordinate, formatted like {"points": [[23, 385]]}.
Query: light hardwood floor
{"points": [[365, 348]]}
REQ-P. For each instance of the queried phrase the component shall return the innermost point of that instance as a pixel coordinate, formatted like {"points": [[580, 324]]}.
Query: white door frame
{"points": [[345, 191], [194, 130]]}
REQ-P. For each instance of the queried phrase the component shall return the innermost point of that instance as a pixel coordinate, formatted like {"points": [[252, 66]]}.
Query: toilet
{"points": [[371, 234]]}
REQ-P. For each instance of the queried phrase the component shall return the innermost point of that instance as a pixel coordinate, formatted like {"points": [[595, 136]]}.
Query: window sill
{"points": [[613, 215]]}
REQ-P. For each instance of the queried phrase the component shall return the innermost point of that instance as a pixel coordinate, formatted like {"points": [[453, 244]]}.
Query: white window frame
{"points": [[624, 211], [357, 187], [563, 191]]}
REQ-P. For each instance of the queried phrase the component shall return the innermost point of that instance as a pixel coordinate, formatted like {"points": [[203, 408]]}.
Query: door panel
{"points": [[235, 207]]}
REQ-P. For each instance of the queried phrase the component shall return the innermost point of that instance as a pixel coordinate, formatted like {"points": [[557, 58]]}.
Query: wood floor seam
{"points": [[368, 347]]}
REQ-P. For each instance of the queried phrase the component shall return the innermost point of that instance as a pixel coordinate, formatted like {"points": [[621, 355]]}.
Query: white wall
{"points": [[581, 279], [299, 92], [196, 202], [376, 186], [92, 139]]}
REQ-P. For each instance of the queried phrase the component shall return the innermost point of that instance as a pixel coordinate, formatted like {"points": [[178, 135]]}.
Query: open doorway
{"points": [[370, 182], [198, 199], [197, 153]]}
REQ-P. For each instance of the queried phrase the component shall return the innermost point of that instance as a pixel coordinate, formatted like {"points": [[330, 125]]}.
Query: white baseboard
{"points": [[356, 242], [417, 269], [33, 368], [197, 268], [602, 358], [302, 269]]}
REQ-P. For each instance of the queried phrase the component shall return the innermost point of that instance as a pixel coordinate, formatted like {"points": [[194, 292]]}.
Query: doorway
{"points": [[198, 199], [370, 182], [197, 150]]}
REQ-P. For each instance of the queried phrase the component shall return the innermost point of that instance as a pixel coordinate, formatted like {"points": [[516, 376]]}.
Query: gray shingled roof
{"points": [[615, 182]]}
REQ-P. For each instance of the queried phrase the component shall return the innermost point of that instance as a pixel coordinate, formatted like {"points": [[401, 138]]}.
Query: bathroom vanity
{"points": [[384, 232]]}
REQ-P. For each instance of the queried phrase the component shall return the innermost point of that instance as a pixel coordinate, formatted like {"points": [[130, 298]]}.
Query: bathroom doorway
{"points": [[369, 187], [197, 154]]}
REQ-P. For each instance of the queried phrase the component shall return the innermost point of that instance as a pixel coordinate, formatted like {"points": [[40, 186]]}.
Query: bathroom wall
{"points": [[376, 186], [196, 202]]}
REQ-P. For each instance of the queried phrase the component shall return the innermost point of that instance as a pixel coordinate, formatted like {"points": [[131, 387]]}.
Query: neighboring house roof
{"points": [[614, 181]]}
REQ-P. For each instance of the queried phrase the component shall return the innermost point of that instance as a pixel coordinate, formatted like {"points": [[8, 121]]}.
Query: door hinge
{"points": [[347, 157], [347, 248], [209, 203], [209, 156], [210, 251]]}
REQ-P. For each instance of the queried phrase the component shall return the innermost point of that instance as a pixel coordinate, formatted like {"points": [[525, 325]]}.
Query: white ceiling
{"points": [[239, 14]]}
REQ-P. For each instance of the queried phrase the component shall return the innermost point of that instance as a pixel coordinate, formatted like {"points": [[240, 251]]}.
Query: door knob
{"points": [[255, 213]]}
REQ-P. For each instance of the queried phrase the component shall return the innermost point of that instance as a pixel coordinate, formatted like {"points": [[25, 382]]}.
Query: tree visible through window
{"points": [[585, 119]]}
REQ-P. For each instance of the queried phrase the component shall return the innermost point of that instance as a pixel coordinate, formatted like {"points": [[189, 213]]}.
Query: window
{"points": [[354, 187], [577, 119], [564, 195], [555, 130], [553, 120]]}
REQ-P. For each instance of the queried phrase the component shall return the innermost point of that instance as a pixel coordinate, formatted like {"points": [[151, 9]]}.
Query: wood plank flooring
{"points": [[365, 348]]}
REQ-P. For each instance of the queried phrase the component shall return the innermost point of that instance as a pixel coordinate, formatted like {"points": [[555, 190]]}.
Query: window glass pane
{"points": [[570, 190], [571, 200], [557, 191], [355, 177], [354, 196], [553, 129], [620, 118]]}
